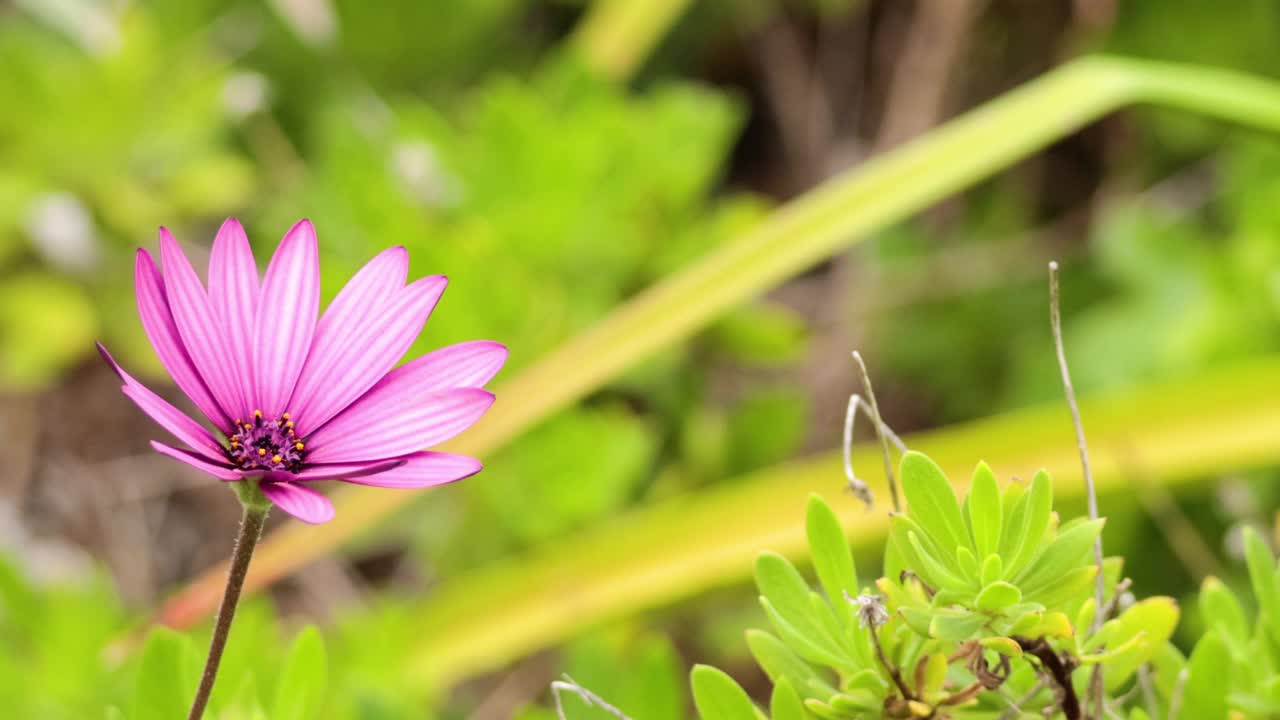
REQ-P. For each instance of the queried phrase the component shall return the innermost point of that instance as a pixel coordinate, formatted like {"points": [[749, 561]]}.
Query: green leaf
{"points": [[168, 674], [955, 625], [1065, 591], [931, 502], [1149, 622], [1221, 611], [998, 596], [934, 675], [931, 569], [992, 569], [786, 598], [786, 703], [832, 559], [902, 527], [986, 517], [718, 697], [1027, 525], [301, 689], [1065, 553], [780, 663], [1262, 575], [1202, 695], [968, 565]]}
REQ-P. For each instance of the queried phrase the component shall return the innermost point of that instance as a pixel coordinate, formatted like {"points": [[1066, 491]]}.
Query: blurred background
{"points": [[554, 158]]}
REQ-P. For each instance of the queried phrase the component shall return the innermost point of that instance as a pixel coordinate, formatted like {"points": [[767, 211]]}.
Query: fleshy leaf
{"points": [[1151, 623], [785, 704], [780, 663], [832, 559], [998, 596], [932, 503], [986, 518], [167, 677], [1202, 695], [955, 625], [1221, 611], [301, 688], [1066, 552], [1020, 542], [718, 697]]}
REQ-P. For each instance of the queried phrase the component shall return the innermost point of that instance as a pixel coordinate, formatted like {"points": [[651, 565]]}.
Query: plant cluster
{"points": [[986, 610]]}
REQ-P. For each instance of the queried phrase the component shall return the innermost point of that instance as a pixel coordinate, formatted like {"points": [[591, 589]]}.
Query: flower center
{"points": [[266, 445]]}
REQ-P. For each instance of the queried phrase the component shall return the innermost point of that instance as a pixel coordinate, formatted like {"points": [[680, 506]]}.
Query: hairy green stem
{"points": [[251, 524]]}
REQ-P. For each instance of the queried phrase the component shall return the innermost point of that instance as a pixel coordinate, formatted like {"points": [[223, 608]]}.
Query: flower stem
{"points": [[251, 524]]}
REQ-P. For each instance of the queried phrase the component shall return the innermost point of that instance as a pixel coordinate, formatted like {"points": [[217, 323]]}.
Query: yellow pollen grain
{"points": [[297, 446], [276, 458], [257, 414], [285, 416], [288, 424], [262, 451]]}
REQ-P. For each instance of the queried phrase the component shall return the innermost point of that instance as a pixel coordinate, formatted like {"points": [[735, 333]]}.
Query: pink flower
{"points": [[295, 399]]}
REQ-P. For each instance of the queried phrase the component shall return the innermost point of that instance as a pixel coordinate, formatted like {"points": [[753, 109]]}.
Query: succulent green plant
{"points": [[985, 610]]}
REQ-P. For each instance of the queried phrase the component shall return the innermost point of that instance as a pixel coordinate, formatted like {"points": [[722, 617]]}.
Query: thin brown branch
{"points": [[880, 433], [893, 671], [1058, 670], [1096, 685]]}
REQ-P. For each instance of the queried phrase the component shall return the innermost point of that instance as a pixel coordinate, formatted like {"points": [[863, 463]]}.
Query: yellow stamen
{"points": [[288, 424], [257, 414], [297, 446], [276, 458], [262, 451], [285, 416]]}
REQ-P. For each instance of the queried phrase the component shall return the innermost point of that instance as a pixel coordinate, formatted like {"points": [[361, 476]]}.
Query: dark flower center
{"points": [[266, 445]]}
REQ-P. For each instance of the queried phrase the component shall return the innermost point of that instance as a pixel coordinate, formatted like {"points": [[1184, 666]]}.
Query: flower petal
{"points": [[286, 318], [466, 364], [233, 294], [222, 472], [370, 352], [166, 415], [357, 329], [157, 321], [336, 471], [202, 333], [299, 501], [423, 469], [388, 421]]}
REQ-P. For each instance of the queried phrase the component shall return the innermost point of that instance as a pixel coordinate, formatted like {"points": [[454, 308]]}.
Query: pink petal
{"points": [[286, 318], [168, 416], [335, 471], [233, 294], [361, 314], [157, 321], [299, 501], [388, 422], [423, 469], [202, 332], [466, 364], [222, 472]]}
